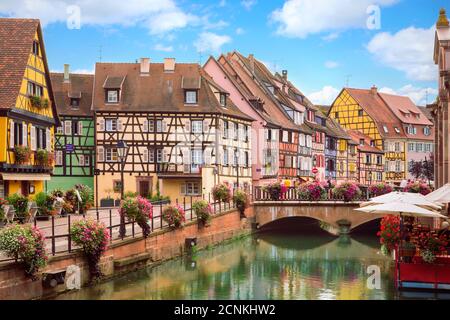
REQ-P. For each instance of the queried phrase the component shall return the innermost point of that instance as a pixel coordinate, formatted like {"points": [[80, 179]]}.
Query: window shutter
{"points": [[33, 138], [207, 156], [67, 127], [119, 125], [48, 140], [164, 126], [145, 126], [165, 156], [11, 133], [187, 126], [58, 158], [145, 155], [183, 189], [205, 126], [80, 128], [24, 134], [100, 154], [101, 125], [81, 160]]}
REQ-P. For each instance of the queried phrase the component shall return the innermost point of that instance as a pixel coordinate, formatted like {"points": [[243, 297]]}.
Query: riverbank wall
{"points": [[122, 256]]}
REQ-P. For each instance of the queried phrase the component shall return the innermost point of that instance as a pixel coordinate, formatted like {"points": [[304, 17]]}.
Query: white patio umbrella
{"points": [[404, 197], [441, 195], [401, 208]]}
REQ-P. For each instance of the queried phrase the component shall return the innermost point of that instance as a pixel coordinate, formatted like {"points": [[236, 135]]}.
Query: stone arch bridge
{"points": [[336, 217]]}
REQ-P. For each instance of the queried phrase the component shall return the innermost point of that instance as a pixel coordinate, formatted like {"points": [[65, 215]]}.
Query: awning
{"points": [[25, 177]]}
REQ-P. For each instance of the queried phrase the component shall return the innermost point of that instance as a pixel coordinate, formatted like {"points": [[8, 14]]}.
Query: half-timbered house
{"points": [[75, 145], [27, 109], [183, 132]]}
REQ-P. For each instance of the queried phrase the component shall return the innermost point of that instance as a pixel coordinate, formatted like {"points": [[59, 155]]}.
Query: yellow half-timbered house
{"points": [[27, 110]]}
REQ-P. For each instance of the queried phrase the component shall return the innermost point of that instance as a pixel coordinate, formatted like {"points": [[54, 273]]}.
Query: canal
{"points": [[288, 264]]}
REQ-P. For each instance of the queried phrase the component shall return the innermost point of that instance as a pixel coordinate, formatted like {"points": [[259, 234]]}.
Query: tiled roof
{"points": [[159, 91], [80, 85], [16, 41], [357, 136], [377, 109], [427, 112], [405, 109]]}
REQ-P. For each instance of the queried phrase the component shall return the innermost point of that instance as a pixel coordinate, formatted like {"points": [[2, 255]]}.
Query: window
{"points": [[197, 126], [117, 185], [398, 166], [151, 155], [190, 97], [427, 131], [236, 131], [397, 130], [75, 103], [225, 157], [379, 176], [111, 155], [410, 147], [59, 158], [336, 115], [285, 136], [397, 147], [385, 129], [428, 147], [86, 160], [34, 89], [372, 143], [160, 155], [379, 160], [368, 159], [197, 156], [246, 159], [360, 113], [59, 130], [41, 139], [419, 147], [225, 129], [18, 134], [36, 48], [192, 189], [112, 96], [223, 99], [111, 124]]}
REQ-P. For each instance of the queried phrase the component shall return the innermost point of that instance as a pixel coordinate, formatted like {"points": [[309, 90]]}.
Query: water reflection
{"points": [[270, 266]]}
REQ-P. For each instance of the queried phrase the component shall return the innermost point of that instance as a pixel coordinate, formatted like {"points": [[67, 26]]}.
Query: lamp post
{"points": [[122, 151]]}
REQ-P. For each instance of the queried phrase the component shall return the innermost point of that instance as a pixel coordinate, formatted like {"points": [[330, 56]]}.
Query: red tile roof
{"points": [[357, 136], [405, 109]]}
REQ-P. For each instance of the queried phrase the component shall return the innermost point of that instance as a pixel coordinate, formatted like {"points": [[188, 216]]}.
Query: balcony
{"points": [[27, 161]]}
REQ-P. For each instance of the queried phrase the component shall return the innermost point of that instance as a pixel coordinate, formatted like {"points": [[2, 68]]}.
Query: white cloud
{"points": [[163, 48], [325, 96], [248, 4], [240, 31], [222, 3], [211, 42], [409, 50], [420, 96], [331, 36], [331, 64], [300, 18], [158, 16]]}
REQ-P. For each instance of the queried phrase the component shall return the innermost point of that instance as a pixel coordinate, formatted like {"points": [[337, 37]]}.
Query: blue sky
{"points": [[322, 43]]}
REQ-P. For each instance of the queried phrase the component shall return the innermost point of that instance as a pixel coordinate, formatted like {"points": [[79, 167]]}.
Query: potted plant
{"points": [[140, 210], [242, 201], [20, 204], [45, 204], [418, 187], [25, 244], [312, 191], [92, 236], [222, 193], [107, 202], [380, 189], [203, 212], [21, 154], [38, 102], [348, 191], [389, 233], [44, 158], [174, 216], [275, 190]]}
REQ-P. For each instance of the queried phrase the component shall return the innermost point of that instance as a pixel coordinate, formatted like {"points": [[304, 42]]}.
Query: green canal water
{"points": [[276, 265]]}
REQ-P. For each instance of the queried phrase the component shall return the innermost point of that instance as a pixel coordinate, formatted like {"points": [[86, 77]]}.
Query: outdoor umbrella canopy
{"points": [[401, 208], [441, 195], [403, 197]]}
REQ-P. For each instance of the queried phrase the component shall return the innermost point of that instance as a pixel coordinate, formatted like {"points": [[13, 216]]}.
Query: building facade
{"points": [[184, 135], [27, 109], [75, 141], [440, 109]]}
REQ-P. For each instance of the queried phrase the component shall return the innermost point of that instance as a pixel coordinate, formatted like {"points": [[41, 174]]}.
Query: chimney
{"points": [[66, 73], [442, 20], [145, 66], [374, 90], [251, 58], [285, 74], [169, 65]]}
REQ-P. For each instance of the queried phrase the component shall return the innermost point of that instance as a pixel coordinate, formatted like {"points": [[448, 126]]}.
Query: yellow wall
{"points": [[3, 138]]}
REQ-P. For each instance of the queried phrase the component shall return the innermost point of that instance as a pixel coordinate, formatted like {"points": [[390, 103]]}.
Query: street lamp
{"points": [[122, 151]]}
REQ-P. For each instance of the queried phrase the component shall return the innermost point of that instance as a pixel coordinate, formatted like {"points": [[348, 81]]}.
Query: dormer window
{"points": [[427, 131], [190, 97], [112, 96], [74, 103], [385, 129], [372, 143], [36, 48], [361, 142], [397, 130], [223, 99], [360, 113]]}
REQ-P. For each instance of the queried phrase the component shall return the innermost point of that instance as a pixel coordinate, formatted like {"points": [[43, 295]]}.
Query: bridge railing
{"points": [[292, 194]]}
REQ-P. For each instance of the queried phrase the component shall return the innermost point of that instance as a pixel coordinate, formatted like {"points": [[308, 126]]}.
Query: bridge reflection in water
{"points": [[268, 266]]}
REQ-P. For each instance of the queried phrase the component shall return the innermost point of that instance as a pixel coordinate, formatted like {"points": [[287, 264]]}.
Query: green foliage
{"points": [[20, 204], [44, 158], [241, 199], [202, 210], [22, 154], [222, 193], [87, 197], [130, 194], [45, 203], [39, 102]]}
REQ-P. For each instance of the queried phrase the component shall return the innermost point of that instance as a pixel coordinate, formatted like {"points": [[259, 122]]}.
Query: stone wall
{"points": [[126, 256]]}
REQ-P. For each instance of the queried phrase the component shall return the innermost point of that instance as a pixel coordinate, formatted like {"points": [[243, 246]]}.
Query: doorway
{"points": [[25, 188], [144, 188]]}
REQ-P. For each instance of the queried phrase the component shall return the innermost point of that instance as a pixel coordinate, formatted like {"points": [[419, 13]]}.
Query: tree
{"points": [[416, 169], [428, 168]]}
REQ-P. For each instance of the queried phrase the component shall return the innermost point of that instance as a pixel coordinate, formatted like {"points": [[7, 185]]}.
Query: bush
{"points": [[202, 210], [22, 154], [222, 193], [312, 191], [130, 194], [275, 190], [57, 193], [418, 187], [25, 244], [140, 210], [92, 236], [380, 189], [45, 204], [20, 204], [174, 216], [349, 191], [242, 201], [389, 233]]}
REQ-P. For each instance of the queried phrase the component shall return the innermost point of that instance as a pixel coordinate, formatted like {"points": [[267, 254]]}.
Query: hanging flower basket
{"points": [[174, 216], [222, 193], [22, 154], [140, 210], [203, 211]]}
